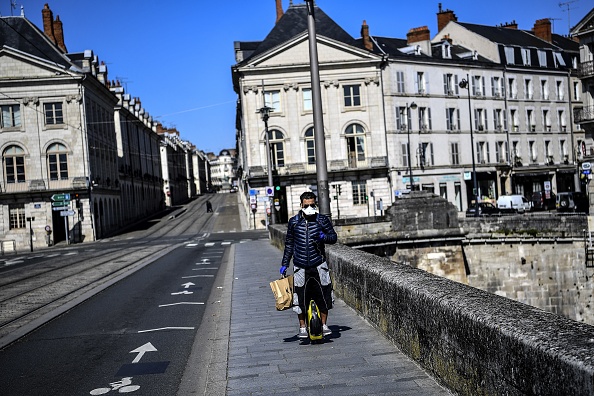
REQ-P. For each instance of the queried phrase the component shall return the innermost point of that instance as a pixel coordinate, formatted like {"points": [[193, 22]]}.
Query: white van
{"points": [[513, 203]]}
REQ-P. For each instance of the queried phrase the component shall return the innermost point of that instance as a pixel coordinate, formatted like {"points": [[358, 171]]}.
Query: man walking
{"points": [[307, 234]]}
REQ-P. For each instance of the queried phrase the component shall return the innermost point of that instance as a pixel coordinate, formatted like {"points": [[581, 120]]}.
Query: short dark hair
{"points": [[307, 195]]}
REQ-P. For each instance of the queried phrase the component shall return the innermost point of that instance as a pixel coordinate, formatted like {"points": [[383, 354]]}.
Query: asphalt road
{"points": [[143, 327]]}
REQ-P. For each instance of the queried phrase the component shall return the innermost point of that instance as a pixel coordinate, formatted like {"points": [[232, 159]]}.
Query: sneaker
{"points": [[326, 330], [302, 333]]}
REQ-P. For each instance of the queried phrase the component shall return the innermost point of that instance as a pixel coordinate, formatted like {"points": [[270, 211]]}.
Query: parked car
{"points": [[484, 208], [513, 203], [541, 202], [572, 202]]}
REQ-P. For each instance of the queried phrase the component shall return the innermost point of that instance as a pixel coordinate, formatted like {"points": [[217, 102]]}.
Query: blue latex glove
{"points": [[321, 236], [283, 270]]}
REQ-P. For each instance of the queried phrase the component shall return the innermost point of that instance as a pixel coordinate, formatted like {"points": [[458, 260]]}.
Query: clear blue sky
{"points": [[176, 56]]}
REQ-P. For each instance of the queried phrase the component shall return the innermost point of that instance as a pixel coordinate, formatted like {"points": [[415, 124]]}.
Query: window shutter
{"points": [[486, 123], [458, 115], [492, 86], [429, 118], [483, 86], [476, 119], [456, 84], [448, 120], [487, 149], [445, 84]]}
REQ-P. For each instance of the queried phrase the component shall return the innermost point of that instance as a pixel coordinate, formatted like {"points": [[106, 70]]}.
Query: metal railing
{"points": [[585, 114], [586, 69], [43, 185]]}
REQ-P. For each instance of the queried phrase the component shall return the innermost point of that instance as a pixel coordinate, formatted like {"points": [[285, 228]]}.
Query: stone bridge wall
{"points": [[472, 341]]}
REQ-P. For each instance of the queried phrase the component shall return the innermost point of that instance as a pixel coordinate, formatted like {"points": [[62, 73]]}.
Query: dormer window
{"points": [[558, 58], [526, 56], [542, 58], [446, 50], [509, 55]]}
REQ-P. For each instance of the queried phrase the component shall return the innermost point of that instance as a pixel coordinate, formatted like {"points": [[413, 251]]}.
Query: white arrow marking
{"points": [[148, 347], [182, 292], [187, 285]]}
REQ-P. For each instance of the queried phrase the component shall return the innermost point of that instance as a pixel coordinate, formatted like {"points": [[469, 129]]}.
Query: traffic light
{"points": [[77, 200], [277, 188], [366, 198]]}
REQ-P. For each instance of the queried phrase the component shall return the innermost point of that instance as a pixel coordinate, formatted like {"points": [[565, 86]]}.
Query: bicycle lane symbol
{"points": [[122, 386], [135, 368]]}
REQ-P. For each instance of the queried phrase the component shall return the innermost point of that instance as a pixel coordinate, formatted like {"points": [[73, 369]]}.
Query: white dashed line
{"points": [[209, 244], [207, 268], [191, 245], [198, 276], [181, 303], [166, 328], [225, 243]]}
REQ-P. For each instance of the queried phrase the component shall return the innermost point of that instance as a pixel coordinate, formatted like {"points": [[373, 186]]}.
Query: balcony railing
{"points": [[585, 114], [586, 69], [334, 165], [43, 185]]}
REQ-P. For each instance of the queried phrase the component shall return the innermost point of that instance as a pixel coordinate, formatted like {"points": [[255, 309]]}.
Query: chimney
{"points": [[48, 22], [415, 35], [367, 44], [542, 29], [279, 10], [59, 34], [512, 25], [443, 17]]}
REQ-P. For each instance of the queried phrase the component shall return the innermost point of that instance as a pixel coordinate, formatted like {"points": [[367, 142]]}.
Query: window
{"points": [[576, 91], [482, 152], [307, 101], [544, 89], [542, 58], [452, 119], [499, 120], [548, 151], [355, 136], [528, 89], [421, 83], [516, 151], [501, 152], [359, 192], [53, 113], [559, 90], [405, 157], [310, 146], [401, 118], [509, 55], [16, 212], [526, 56], [530, 120], [14, 164], [512, 88], [455, 153], [480, 119], [277, 151], [424, 118], [532, 149], [443, 190], [352, 95], [558, 58], [562, 122], [546, 120], [57, 159], [426, 155], [478, 86], [272, 100], [497, 88], [515, 119], [11, 116], [400, 82], [450, 84], [563, 150]]}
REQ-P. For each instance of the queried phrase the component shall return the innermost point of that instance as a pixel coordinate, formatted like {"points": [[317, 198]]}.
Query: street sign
{"points": [[61, 197], [253, 191], [67, 213], [586, 166], [59, 208], [60, 203], [270, 191], [253, 199]]}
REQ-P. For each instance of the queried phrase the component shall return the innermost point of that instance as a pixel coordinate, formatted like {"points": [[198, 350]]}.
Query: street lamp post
{"points": [[265, 112], [413, 106], [320, 145], [464, 84]]}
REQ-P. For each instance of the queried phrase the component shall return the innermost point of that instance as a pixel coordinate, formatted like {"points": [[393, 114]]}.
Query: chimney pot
{"points": [[279, 10], [542, 30], [444, 17], [415, 35], [367, 44]]}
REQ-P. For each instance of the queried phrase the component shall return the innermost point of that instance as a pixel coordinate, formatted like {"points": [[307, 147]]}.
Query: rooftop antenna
{"points": [[124, 81], [567, 3], [13, 6], [553, 22]]}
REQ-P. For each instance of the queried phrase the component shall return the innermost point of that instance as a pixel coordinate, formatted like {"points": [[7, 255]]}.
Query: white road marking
{"points": [[148, 347], [70, 254], [53, 255], [181, 303], [13, 262], [166, 328], [197, 276], [209, 244], [191, 245], [187, 285], [207, 268], [225, 243], [182, 292]]}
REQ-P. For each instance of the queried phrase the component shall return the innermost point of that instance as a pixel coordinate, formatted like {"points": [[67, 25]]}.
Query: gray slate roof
{"points": [[19, 33], [507, 36], [294, 22]]}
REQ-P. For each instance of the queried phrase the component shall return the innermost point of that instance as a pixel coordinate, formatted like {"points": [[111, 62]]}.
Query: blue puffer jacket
{"points": [[302, 242]]}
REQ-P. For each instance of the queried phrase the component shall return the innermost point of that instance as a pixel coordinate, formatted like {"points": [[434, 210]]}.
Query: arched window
{"points": [[310, 146], [355, 137], [14, 164], [57, 162], [277, 148]]}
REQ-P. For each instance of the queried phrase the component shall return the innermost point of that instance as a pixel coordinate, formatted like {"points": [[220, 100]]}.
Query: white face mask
{"points": [[309, 211]]}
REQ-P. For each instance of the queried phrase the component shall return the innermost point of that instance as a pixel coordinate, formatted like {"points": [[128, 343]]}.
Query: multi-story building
{"points": [[584, 110], [379, 94], [201, 172], [223, 169], [80, 157], [175, 156]]}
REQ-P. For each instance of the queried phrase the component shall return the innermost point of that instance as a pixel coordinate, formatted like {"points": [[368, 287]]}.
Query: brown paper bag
{"points": [[283, 292]]}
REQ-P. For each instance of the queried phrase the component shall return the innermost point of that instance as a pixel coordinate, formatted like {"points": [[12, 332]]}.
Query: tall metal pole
{"points": [[410, 174], [265, 112], [466, 84], [320, 144]]}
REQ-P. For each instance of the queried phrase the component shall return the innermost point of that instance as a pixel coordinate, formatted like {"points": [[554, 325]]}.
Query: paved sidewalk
{"points": [[266, 357]]}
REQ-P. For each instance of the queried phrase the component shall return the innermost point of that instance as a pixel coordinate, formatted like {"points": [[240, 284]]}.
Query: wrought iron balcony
{"points": [[585, 114], [36, 185], [586, 69]]}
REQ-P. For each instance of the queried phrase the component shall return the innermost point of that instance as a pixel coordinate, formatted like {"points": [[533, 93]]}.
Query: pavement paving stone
{"points": [[266, 357]]}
